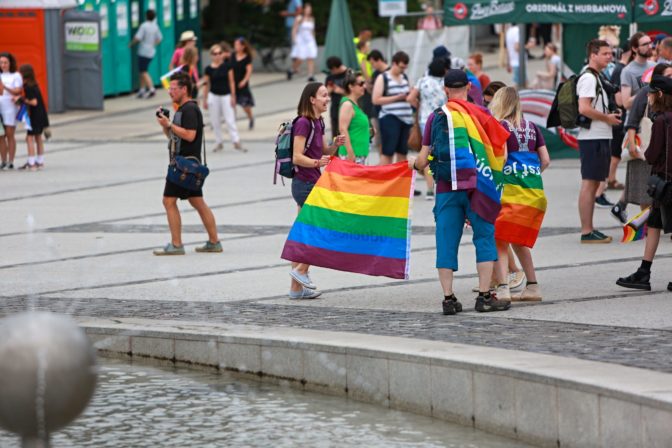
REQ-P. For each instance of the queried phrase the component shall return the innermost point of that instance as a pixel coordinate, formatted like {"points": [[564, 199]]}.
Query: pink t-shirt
{"points": [[177, 56]]}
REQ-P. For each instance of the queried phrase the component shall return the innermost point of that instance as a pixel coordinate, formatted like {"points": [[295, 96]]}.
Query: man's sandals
{"points": [[615, 185]]}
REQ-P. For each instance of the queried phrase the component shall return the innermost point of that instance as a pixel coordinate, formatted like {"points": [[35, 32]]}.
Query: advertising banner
{"points": [[82, 36], [647, 11], [474, 12]]}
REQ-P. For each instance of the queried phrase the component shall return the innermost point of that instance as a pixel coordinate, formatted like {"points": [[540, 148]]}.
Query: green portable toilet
{"points": [[136, 19], [121, 37], [166, 21], [115, 37], [156, 68], [188, 17]]}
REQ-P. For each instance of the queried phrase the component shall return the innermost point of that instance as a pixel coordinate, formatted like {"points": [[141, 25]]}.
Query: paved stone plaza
{"points": [[78, 236]]}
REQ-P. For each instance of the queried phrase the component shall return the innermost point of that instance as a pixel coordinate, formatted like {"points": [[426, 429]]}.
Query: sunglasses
{"points": [[361, 83], [216, 53]]}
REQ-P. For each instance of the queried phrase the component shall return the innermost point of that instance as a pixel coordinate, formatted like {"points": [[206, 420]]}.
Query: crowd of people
{"points": [[613, 99]]}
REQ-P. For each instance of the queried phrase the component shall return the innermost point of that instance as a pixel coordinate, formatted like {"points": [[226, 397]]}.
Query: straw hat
{"points": [[188, 35]]}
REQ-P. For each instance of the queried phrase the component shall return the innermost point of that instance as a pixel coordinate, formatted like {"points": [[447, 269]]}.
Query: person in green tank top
{"points": [[353, 123]]}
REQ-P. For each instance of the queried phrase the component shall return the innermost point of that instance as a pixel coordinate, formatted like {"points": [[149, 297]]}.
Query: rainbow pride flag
{"points": [[165, 79], [523, 200], [487, 139], [635, 228], [356, 219]]}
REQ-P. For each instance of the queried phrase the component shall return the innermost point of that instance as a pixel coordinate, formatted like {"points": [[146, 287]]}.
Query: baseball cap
{"points": [[455, 79], [188, 35], [660, 83], [441, 52]]}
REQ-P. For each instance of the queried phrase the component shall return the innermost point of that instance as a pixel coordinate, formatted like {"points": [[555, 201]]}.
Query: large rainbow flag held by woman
{"points": [[523, 200], [356, 219]]}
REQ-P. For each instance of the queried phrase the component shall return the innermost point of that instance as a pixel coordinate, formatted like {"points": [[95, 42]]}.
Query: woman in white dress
{"points": [[11, 87], [304, 45]]}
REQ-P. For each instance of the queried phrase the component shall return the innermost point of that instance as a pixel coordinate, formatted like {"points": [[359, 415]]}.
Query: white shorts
{"points": [[8, 111]]}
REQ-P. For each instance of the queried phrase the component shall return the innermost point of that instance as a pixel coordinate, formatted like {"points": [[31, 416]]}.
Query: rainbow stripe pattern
{"points": [[356, 219], [487, 139], [165, 79], [523, 200], [635, 228]]}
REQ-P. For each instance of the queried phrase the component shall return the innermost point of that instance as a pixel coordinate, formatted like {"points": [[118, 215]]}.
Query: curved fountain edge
{"points": [[540, 399]]}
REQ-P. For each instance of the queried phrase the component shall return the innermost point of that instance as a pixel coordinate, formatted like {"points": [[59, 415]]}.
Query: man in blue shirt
{"points": [[294, 9]]}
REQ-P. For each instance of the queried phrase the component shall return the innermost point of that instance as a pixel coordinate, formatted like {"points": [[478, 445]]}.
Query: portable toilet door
{"points": [[156, 69], [182, 18], [136, 18], [107, 44], [121, 37], [166, 22], [187, 17]]}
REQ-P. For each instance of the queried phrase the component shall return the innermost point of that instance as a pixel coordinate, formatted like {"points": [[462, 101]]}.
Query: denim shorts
{"points": [[451, 209], [300, 190], [394, 135]]}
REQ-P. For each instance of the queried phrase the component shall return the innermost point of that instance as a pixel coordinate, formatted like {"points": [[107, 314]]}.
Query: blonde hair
{"points": [[505, 105], [215, 47], [190, 56]]}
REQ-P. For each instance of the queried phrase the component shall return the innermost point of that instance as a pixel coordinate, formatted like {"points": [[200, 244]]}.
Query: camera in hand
{"points": [[163, 111]]}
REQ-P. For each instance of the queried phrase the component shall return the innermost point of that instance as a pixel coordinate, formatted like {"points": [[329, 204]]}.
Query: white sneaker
{"points": [[516, 279], [304, 294], [503, 292]]}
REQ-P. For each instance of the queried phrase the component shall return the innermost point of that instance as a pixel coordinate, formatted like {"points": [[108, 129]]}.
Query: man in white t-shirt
{"points": [[594, 136], [148, 37]]}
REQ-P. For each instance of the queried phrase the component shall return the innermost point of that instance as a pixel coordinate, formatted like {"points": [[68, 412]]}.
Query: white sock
{"points": [[31, 160], [40, 159]]}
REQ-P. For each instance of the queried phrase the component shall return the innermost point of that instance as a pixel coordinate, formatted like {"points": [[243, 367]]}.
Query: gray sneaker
{"points": [[303, 279], [210, 247], [304, 294], [169, 249]]}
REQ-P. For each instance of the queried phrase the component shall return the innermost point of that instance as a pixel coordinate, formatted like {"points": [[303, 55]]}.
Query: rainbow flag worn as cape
{"points": [[356, 219], [635, 228], [523, 200], [487, 139]]}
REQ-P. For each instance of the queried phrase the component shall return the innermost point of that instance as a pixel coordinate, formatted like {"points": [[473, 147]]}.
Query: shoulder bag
{"points": [[187, 172]]}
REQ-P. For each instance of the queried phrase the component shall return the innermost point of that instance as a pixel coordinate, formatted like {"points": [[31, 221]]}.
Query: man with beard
{"points": [[631, 76]]}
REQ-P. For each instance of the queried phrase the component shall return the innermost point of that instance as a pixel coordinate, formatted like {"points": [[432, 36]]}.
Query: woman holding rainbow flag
{"points": [[523, 199], [310, 152]]}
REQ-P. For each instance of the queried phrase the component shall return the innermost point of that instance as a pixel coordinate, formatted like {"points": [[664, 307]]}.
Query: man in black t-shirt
{"points": [[185, 133], [334, 84]]}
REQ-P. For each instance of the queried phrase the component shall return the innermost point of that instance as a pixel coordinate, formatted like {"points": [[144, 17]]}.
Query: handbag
{"points": [[658, 188], [415, 136], [187, 172]]}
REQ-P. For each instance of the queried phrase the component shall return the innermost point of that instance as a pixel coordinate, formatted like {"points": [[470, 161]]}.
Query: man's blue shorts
{"points": [[451, 209]]}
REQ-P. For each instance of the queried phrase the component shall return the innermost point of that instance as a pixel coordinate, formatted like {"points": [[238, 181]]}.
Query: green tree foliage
{"points": [[263, 25]]}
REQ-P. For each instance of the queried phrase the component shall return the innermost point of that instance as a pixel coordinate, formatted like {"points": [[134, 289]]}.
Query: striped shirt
{"points": [[401, 109]]}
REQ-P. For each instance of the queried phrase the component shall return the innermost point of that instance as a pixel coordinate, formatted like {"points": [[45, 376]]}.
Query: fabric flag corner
{"points": [[356, 219], [635, 228]]}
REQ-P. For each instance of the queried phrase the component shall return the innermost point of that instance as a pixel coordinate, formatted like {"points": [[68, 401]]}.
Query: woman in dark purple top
{"points": [[310, 153]]}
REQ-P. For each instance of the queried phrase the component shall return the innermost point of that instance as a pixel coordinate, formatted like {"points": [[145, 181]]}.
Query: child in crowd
{"points": [[39, 120]]}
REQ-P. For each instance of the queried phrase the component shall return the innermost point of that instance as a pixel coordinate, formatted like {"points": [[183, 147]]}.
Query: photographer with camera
{"points": [[185, 134], [594, 136], [658, 155]]}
